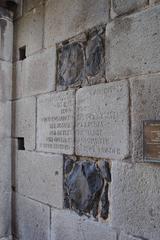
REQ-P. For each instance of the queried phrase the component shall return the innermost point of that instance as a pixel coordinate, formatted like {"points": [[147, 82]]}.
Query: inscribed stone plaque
{"points": [[151, 141], [102, 125], [55, 122]]}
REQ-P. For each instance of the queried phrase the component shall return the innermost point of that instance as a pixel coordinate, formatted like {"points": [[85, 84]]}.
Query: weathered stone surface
{"points": [[72, 17], [5, 163], [19, 9], [86, 188], [47, 184], [28, 31], [32, 219], [80, 228], [6, 238], [6, 42], [102, 128], [105, 203], [95, 53], [6, 38], [5, 13], [70, 64], [145, 106], [55, 127], [68, 164], [5, 81], [24, 120], [125, 6], [84, 185], [41, 78], [104, 167], [14, 151], [29, 80], [28, 5], [124, 236], [81, 60], [5, 119], [18, 79], [132, 44], [5, 214], [135, 199]]}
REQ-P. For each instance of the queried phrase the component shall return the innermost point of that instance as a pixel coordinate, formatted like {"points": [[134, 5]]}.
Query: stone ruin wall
{"points": [[85, 77]]}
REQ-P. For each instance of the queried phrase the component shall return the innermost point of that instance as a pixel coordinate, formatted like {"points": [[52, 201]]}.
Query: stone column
{"points": [[6, 42]]}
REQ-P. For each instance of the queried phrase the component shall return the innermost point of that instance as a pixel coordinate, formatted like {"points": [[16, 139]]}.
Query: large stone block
{"points": [[126, 6], [55, 123], [29, 80], [145, 105], [76, 227], [5, 81], [28, 31], [102, 128], [5, 163], [132, 44], [5, 214], [32, 219], [47, 184], [41, 78], [6, 38], [5, 119], [24, 120], [72, 17], [135, 197]]}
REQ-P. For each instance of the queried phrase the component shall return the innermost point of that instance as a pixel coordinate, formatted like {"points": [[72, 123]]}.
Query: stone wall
{"points": [[6, 41], [85, 76]]}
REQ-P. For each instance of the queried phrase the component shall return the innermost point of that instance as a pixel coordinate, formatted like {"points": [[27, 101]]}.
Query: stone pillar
{"points": [[6, 42]]}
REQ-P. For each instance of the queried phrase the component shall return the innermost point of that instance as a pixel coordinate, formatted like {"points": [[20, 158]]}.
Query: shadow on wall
{"points": [[13, 172], [10, 5]]}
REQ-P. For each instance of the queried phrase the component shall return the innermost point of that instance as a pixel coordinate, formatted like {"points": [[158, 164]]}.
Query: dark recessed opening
{"points": [[22, 53], [21, 144]]}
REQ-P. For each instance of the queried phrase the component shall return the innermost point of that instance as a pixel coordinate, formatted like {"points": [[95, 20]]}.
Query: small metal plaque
{"points": [[151, 141]]}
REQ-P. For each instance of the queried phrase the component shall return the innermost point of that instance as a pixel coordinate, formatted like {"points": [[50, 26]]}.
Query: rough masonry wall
{"points": [[85, 76], [6, 42]]}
